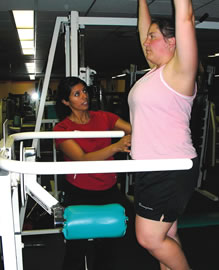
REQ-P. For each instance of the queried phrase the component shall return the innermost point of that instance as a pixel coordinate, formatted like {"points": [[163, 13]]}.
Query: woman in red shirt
{"points": [[96, 189]]}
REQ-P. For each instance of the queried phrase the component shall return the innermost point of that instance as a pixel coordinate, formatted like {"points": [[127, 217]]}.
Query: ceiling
{"points": [[108, 49]]}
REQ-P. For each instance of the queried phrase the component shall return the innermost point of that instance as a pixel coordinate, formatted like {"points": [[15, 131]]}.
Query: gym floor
{"points": [[198, 231]]}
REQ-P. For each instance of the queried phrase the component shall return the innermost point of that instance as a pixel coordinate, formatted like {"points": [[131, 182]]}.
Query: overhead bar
{"points": [[133, 22], [107, 21]]}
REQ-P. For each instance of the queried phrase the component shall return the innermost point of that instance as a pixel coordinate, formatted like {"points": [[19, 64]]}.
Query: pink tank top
{"points": [[160, 119]]}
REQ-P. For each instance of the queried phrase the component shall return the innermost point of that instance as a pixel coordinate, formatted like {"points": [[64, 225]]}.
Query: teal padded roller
{"points": [[94, 221]]}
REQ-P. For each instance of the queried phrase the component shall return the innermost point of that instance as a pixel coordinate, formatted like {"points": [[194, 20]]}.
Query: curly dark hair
{"points": [[166, 26], [63, 93]]}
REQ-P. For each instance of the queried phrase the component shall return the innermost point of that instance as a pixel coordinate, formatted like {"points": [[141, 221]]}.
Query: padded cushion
{"points": [[94, 221]]}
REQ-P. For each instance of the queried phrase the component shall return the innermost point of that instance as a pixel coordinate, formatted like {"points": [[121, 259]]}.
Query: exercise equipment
{"points": [[203, 130], [94, 221], [18, 180]]}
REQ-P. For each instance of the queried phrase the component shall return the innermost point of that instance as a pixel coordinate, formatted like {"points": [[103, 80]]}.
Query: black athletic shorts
{"points": [[163, 195]]}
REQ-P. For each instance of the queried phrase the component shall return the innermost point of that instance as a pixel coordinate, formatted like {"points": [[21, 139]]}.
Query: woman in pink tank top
{"points": [[161, 102]]}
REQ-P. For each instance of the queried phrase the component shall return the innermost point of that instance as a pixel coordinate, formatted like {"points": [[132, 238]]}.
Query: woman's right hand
{"points": [[123, 145]]}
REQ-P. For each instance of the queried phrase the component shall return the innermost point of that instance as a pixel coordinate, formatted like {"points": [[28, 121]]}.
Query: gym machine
{"points": [[18, 178], [204, 133]]}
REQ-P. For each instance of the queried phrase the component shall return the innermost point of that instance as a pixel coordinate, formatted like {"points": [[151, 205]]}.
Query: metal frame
{"points": [[12, 170], [78, 167], [209, 116]]}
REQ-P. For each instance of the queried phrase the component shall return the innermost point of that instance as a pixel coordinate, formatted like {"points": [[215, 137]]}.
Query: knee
{"points": [[147, 241]]}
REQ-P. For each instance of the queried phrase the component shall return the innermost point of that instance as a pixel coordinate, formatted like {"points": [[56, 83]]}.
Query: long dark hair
{"points": [[63, 93], [166, 27]]}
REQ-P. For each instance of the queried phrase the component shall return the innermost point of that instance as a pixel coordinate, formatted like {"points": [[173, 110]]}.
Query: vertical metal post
{"points": [[7, 230], [81, 48], [67, 51], [17, 224], [74, 43], [55, 159], [59, 20]]}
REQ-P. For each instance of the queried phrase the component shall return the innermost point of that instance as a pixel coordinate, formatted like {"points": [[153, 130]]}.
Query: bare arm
{"points": [[144, 22], [73, 150], [123, 125], [185, 61]]}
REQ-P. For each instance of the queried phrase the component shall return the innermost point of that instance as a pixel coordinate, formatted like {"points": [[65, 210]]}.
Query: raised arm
{"points": [[186, 57], [144, 22]]}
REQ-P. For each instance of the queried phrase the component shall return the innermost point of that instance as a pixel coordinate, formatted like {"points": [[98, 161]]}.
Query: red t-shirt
{"points": [[99, 121]]}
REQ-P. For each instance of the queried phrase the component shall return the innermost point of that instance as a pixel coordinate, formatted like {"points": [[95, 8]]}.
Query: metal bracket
{"points": [[58, 212]]}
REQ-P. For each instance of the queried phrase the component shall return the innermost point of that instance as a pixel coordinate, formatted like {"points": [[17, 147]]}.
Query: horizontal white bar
{"points": [[107, 21], [66, 134], [105, 166], [133, 22]]}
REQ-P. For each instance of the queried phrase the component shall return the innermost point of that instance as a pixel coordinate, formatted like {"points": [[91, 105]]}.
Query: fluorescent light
{"points": [[118, 76], [213, 55], [24, 18], [24, 21], [27, 44], [28, 51], [121, 75], [32, 77], [25, 34], [30, 67]]}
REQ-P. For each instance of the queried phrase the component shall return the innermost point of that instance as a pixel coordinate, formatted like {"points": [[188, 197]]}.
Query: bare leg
{"points": [[153, 235], [172, 233]]}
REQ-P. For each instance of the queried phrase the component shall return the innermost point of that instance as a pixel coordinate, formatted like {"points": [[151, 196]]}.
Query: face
{"points": [[156, 45], [78, 98]]}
